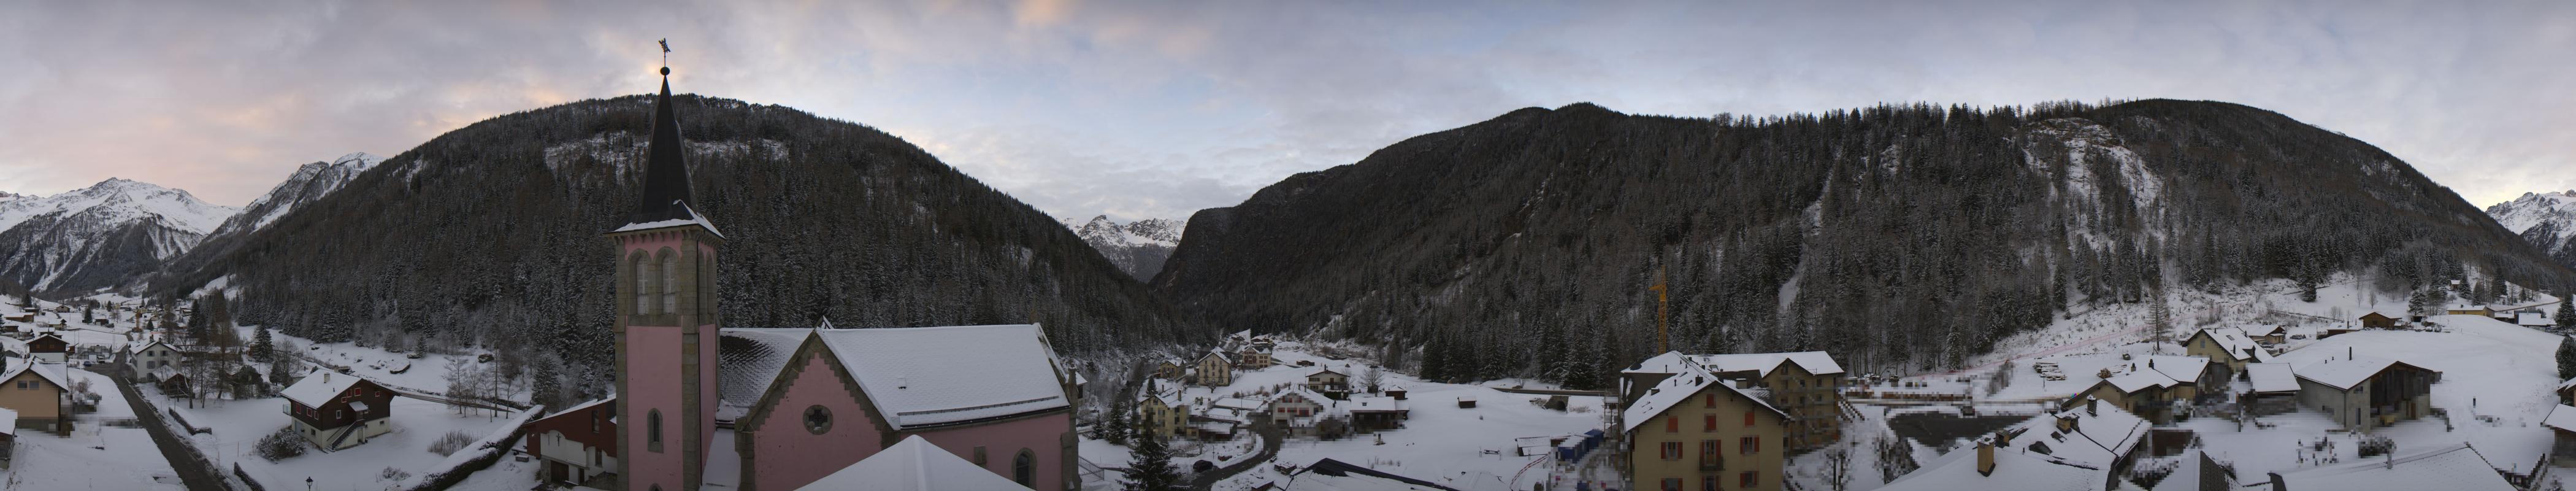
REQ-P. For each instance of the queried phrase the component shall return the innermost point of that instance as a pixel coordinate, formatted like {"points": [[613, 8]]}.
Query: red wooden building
{"points": [[577, 445]]}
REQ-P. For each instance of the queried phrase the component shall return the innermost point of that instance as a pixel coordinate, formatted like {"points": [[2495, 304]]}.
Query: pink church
{"points": [[707, 407]]}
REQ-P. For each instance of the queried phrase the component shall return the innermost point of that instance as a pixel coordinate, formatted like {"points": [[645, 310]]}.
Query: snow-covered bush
{"points": [[449, 443], [281, 445]]}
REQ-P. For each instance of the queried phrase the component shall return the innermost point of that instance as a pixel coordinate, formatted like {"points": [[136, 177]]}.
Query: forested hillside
{"points": [[490, 236], [1898, 237]]}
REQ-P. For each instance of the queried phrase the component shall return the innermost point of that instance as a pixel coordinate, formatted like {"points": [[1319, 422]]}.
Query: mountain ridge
{"points": [[100, 236]]}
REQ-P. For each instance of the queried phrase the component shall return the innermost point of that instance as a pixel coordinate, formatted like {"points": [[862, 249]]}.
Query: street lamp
{"points": [[308, 484]]}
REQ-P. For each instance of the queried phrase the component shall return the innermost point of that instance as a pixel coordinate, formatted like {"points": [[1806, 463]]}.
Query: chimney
{"points": [[1985, 458], [2090, 408], [2347, 352]]}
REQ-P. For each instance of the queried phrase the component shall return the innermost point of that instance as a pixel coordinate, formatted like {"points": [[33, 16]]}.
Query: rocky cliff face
{"points": [[100, 236]]}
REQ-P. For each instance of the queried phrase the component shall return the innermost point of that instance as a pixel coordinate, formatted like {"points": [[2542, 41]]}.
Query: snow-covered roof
{"points": [[914, 465], [921, 376], [1335, 475], [2101, 434], [1300, 391], [2532, 319], [2455, 468], [1375, 403], [2562, 418], [2260, 330], [2384, 313], [2272, 377], [319, 388], [577, 407], [13, 345], [693, 219], [2139, 380], [2234, 341], [359, 406], [723, 468], [2013, 470], [1814, 362], [1677, 389], [747, 360], [7, 414], [1218, 354], [2466, 306], [139, 346], [1321, 371], [2181, 368], [1236, 403], [1213, 426], [2342, 372]]}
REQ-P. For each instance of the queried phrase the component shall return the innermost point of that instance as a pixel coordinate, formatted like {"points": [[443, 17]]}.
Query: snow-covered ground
{"points": [[425, 374], [1440, 443], [95, 455], [238, 426]]}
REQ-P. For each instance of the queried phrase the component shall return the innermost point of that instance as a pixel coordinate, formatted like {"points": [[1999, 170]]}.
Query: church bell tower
{"points": [[666, 321]]}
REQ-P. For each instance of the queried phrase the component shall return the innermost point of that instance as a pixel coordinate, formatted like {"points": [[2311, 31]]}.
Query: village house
{"points": [[337, 411], [2363, 392], [36, 393], [1170, 369], [1806, 385], [2084, 445], [701, 405], [171, 382], [1214, 369], [2450, 468], [2380, 320], [576, 446], [1298, 410], [2467, 309], [1376, 413], [1693, 430], [2267, 334], [149, 355], [49, 348], [1253, 356], [1329, 382], [2275, 389], [2152, 384], [2228, 347], [2562, 433], [1162, 412]]}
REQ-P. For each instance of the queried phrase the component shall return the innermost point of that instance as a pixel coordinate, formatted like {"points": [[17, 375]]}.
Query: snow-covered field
{"points": [[94, 456], [238, 426]]}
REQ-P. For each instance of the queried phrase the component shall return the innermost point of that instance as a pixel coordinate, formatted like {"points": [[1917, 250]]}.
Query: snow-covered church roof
{"points": [[914, 465], [923, 376]]}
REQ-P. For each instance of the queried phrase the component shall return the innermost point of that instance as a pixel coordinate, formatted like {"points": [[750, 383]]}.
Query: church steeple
{"points": [[665, 199]]}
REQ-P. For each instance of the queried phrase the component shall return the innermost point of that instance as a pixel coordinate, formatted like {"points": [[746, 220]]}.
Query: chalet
{"points": [[2332, 331], [994, 395], [1376, 413], [2227, 347], [2450, 468], [2083, 446], [576, 446], [2535, 320], [1253, 357], [2363, 392], [1329, 382], [1298, 409], [1214, 369], [1335, 475], [2267, 334], [49, 348], [1163, 413], [914, 464], [2562, 429], [35, 391], [1807, 385], [170, 381], [2275, 391], [337, 411], [2467, 309], [1170, 369], [1392, 390], [149, 355], [2150, 386], [2380, 320], [1693, 430]]}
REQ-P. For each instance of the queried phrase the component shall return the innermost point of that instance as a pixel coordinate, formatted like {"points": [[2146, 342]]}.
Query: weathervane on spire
{"points": [[666, 56]]}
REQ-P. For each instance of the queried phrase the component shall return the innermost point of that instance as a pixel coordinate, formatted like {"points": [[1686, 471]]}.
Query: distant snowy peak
{"points": [[2531, 209], [310, 182], [1138, 247], [118, 201]]}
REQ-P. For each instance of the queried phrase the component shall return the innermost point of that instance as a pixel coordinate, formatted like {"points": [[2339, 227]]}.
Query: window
{"points": [[1708, 483], [1708, 422], [1708, 400], [1750, 444], [1673, 424], [1748, 419], [1024, 468], [594, 421], [818, 419], [1672, 450], [670, 283], [1708, 450], [653, 430], [1747, 480], [1672, 484], [979, 455], [643, 285]]}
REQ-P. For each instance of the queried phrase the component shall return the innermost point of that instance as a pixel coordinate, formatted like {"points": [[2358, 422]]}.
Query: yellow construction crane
{"points": [[1663, 338]]}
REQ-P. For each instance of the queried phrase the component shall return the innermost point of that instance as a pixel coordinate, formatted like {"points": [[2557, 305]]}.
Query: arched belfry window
{"points": [[670, 282], [1024, 468], [653, 430], [643, 285]]}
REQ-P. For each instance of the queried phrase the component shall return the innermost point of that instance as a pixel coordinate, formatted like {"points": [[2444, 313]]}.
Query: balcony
{"points": [[1709, 463]]}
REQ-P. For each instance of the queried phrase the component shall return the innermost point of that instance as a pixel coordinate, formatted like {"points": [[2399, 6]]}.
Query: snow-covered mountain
{"points": [[309, 183], [1138, 247], [99, 236], [2547, 220]]}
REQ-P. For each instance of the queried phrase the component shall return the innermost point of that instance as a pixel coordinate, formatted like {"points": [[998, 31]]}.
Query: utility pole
{"points": [[1663, 336]]}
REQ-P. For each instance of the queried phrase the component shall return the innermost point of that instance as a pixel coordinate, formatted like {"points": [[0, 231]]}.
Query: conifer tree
{"points": [[1150, 466], [263, 346], [545, 386], [2566, 312], [2566, 357]]}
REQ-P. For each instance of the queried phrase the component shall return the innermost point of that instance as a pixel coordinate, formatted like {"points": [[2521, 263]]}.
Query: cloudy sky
{"points": [[1157, 109]]}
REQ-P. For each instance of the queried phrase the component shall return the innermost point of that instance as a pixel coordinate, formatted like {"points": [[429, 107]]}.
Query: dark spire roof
{"points": [[665, 196]]}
